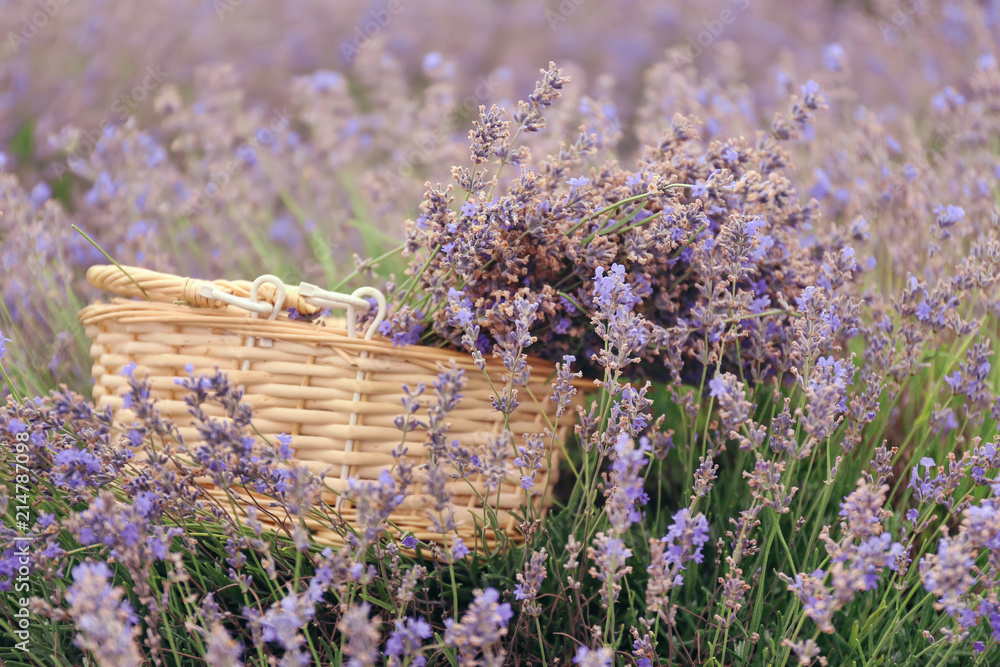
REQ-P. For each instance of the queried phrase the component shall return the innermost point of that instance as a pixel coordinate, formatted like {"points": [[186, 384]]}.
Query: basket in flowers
{"points": [[354, 409]]}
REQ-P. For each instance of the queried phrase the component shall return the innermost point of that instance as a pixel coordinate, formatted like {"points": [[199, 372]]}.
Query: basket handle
{"points": [[133, 281], [306, 298], [320, 298], [255, 307]]}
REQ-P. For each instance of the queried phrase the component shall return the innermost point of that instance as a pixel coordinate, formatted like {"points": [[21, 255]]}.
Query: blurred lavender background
{"points": [[69, 61], [235, 137]]}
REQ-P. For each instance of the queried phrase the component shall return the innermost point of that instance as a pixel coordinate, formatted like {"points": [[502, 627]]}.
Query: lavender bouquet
{"points": [[710, 240]]}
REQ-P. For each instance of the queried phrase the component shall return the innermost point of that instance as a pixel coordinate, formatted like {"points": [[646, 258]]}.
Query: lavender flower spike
{"points": [[105, 622]]}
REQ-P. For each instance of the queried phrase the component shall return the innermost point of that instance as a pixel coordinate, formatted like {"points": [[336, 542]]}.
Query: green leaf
{"points": [[23, 143], [874, 617], [449, 653], [62, 191], [379, 603]]}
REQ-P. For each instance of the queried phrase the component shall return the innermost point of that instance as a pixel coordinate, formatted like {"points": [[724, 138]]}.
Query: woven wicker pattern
{"points": [[333, 391]]}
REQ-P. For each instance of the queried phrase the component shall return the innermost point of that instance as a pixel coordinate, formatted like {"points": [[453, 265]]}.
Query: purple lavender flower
{"points": [[374, 503], [562, 388], [643, 649], [807, 651], [283, 621], [494, 465], [405, 326], [406, 422], [819, 602], [982, 524], [40, 194], [923, 486], [717, 387], [686, 537], [221, 649], [362, 635], [609, 554], [3, 345], [459, 550], [948, 573], [602, 657], [489, 131], [525, 312], [406, 639], [530, 459], [16, 426], [105, 622], [76, 468], [481, 627], [863, 511], [874, 554], [826, 393], [507, 402], [833, 57], [612, 291], [626, 494], [530, 582], [615, 322], [734, 408], [133, 540], [285, 451], [949, 216]]}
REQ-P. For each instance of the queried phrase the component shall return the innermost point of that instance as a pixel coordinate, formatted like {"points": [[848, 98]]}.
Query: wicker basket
{"points": [[335, 391]]}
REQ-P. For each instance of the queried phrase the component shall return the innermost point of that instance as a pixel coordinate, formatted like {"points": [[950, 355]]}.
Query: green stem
{"points": [[541, 641], [353, 274], [111, 259]]}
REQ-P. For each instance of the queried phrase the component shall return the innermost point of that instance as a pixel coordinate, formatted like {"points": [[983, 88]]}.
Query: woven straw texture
{"points": [[336, 393]]}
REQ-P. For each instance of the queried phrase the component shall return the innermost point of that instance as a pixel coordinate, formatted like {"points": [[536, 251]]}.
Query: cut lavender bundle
{"points": [[707, 238]]}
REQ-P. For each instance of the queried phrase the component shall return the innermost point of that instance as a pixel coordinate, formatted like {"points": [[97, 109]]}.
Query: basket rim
{"points": [[222, 317]]}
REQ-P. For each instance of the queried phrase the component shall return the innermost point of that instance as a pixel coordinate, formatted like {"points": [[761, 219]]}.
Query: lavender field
{"points": [[717, 283]]}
